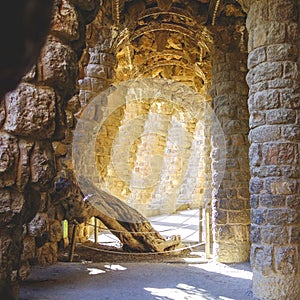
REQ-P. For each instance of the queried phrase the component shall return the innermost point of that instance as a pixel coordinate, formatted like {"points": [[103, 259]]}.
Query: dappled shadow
{"points": [[138, 281], [226, 283]]}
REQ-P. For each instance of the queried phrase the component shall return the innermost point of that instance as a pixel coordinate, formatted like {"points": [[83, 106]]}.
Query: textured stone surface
{"points": [[57, 66], [30, 117], [274, 151], [231, 216], [23, 174], [42, 165], [38, 226], [36, 111], [47, 254], [9, 156], [12, 205], [31, 111], [65, 21]]}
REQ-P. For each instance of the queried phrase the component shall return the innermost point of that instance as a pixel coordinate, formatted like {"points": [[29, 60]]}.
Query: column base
{"points": [[9, 291], [279, 287], [232, 253]]}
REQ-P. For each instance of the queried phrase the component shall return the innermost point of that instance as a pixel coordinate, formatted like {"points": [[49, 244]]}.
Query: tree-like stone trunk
{"points": [[133, 230], [131, 227]]}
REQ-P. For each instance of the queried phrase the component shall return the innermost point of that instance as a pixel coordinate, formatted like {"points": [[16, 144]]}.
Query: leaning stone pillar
{"points": [[230, 166], [274, 106]]}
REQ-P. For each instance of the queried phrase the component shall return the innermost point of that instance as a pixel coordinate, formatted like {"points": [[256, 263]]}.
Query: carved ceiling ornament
{"points": [[163, 39]]}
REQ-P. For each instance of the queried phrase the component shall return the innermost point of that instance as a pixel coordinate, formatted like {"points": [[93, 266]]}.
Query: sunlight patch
{"points": [[224, 270], [183, 291], [115, 267], [95, 271]]}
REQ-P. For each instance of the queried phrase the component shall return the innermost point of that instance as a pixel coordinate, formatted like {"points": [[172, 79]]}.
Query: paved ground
{"points": [[138, 281], [131, 278]]}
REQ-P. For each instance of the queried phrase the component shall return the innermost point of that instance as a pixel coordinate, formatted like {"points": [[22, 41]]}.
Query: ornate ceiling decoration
{"points": [[164, 39]]}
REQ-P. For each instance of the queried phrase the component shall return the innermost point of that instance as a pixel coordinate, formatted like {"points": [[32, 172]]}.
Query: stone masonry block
{"points": [[267, 71], [290, 98], [254, 201], [280, 153], [58, 66], [266, 171], [258, 216], [281, 116], [239, 217], [266, 100], [9, 155], [262, 259], [281, 186], [255, 234], [276, 216], [291, 133], [255, 154], [281, 52], [293, 202], [286, 260], [31, 111], [265, 134], [274, 235], [42, 164], [292, 32], [271, 201], [256, 185], [11, 207], [65, 20], [280, 83], [291, 171], [276, 33], [281, 11], [291, 70], [257, 56], [294, 234], [220, 217], [257, 118]]}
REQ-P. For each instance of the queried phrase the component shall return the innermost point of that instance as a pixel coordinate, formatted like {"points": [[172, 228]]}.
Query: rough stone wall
{"points": [[274, 103], [230, 198], [33, 122]]}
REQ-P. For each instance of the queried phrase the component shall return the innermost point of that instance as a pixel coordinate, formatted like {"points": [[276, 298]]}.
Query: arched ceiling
{"points": [[166, 38]]}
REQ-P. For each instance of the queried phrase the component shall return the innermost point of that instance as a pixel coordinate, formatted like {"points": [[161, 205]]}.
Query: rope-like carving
{"points": [[216, 12]]}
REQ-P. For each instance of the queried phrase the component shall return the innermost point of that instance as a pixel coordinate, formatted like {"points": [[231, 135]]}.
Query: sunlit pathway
{"points": [[186, 279], [138, 281]]}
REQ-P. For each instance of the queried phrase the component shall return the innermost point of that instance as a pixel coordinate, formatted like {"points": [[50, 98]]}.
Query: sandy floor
{"points": [[138, 281], [98, 273]]}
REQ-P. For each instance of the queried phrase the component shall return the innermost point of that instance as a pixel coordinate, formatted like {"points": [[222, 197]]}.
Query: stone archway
{"points": [[33, 154]]}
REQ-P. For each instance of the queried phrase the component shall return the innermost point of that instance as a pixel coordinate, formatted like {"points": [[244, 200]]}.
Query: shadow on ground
{"points": [[138, 281]]}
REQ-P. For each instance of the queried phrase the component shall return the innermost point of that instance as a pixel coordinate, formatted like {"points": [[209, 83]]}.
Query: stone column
{"points": [[230, 166], [98, 72], [176, 175], [150, 156], [274, 107]]}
